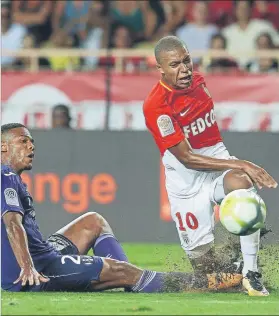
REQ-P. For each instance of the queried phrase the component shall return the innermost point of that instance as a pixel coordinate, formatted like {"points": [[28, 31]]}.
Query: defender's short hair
{"points": [[167, 44], [7, 127]]}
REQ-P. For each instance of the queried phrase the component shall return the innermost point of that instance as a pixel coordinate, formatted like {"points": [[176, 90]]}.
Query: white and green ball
{"points": [[242, 212]]}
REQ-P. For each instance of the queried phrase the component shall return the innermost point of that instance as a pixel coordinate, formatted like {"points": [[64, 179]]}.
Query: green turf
{"points": [[157, 257]]}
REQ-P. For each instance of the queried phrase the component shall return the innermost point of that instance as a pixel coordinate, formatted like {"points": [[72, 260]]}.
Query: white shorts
{"points": [[194, 216]]}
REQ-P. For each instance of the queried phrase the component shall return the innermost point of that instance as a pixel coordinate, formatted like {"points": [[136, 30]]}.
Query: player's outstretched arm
{"points": [[183, 152], [18, 240]]}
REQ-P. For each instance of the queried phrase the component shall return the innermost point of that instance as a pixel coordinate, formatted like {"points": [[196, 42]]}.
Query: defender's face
{"points": [[19, 149], [176, 68]]}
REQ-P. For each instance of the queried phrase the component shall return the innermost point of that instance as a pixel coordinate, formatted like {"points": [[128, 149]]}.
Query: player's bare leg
{"points": [[84, 230], [116, 274], [91, 230], [234, 180]]}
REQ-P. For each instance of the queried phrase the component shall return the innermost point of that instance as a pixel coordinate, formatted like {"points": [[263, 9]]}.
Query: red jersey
{"points": [[171, 115]]}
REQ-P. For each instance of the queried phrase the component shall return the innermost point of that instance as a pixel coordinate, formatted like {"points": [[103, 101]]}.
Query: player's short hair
{"points": [[167, 44], [7, 127]]}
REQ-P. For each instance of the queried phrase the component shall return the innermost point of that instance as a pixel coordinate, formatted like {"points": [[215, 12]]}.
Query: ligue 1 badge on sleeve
{"points": [[165, 125], [11, 197]]}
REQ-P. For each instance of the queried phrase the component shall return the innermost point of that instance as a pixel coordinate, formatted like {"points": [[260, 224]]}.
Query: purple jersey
{"points": [[16, 198]]}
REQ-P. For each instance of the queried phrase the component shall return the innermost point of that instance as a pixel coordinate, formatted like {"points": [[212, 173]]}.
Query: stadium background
{"points": [[96, 58]]}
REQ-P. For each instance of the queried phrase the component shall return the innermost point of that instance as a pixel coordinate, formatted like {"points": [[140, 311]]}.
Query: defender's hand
{"points": [[30, 275], [259, 176]]}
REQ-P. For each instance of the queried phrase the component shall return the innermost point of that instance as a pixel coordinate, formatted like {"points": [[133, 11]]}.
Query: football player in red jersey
{"points": [[179, 113]]}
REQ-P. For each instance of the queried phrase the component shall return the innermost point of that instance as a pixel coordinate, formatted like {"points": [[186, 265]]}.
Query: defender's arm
{"points": [[18, 240]]}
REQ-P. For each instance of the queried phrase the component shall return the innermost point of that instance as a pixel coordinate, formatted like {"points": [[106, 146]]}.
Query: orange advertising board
{"points": [[74, 190]]}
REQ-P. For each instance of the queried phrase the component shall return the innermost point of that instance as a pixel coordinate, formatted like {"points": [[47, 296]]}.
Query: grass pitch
{"points": [[161, 258]]}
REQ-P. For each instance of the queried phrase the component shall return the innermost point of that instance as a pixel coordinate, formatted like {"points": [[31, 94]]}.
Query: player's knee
{"points": [[236, 179], [94, 222]]}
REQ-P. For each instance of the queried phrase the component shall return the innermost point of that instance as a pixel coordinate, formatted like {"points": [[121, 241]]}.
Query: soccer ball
{"points": [[242, 212]]}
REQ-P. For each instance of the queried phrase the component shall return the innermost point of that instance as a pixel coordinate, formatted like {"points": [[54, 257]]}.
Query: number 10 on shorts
{"points": [[190, 220]]}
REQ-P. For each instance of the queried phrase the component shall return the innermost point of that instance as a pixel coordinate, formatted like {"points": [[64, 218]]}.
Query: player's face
{"points": [[176, 68], [19, 150]]}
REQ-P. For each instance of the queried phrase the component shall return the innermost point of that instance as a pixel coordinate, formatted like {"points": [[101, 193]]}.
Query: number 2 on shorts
{"points": [[190, 219], [74, 260]]}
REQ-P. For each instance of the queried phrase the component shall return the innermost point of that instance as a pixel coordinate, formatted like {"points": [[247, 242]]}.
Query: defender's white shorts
{"points": [[194, 216]]}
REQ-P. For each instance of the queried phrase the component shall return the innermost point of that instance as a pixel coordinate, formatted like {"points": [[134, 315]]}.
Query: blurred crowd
{"points": [[231, 25]]}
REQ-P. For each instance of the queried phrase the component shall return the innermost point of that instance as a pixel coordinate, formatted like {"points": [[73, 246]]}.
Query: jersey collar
{"points": [[10, 169], [166, 86], [175, 91], [173, 94]]}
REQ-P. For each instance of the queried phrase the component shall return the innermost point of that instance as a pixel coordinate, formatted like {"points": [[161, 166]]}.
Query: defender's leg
{"points": [[90, 230]]}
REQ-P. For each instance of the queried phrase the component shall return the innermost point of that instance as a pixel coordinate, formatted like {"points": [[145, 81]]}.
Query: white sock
{"points": [[250, 247]]}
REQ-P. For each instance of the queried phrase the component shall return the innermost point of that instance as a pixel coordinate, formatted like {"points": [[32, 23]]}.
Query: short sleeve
{"points": [[10, 201], [164, 128]]}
